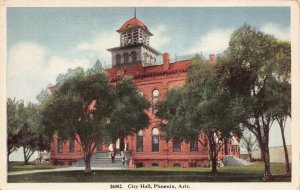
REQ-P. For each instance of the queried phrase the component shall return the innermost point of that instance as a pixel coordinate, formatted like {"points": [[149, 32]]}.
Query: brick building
{"points": [[154, 75]]}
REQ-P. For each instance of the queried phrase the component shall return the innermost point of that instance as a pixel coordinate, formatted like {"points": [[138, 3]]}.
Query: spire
{"points": [[134, 12]]}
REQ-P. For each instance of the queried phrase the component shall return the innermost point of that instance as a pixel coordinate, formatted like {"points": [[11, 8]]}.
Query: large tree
{"points": [[202, 106], [25, 129], [128, 115], [281, 88], [13, 126], [85, 106], [80, 108], [248, 71]]}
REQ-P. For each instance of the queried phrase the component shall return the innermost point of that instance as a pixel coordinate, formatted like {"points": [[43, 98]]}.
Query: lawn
{"points": [[252, 173], [19, 166]]}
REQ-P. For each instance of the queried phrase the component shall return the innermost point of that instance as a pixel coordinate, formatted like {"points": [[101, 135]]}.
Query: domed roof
{"points": [[134, 22]]}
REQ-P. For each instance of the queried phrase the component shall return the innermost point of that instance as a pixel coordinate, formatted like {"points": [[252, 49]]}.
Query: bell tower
{"points": [[134, 45]]}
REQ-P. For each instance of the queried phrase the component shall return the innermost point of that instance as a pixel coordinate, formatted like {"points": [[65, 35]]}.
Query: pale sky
{"points": [[43, 42]]}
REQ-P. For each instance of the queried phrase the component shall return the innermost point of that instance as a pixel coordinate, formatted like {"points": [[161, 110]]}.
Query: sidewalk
{"points": [[61, 169]]}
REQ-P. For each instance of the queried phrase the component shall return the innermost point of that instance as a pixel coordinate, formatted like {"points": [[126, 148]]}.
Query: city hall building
{"points": [[154, 74]]}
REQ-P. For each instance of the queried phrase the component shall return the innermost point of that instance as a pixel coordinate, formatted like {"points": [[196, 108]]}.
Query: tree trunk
{"points": [[213, 153], [214, 165], [266, 159], [25, 156], [250, 156], [8, 153], [287, 164], [122, 145], [87, 161]]}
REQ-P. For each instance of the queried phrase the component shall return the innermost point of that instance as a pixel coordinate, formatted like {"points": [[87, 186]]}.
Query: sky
{"points": [[44, 42]]}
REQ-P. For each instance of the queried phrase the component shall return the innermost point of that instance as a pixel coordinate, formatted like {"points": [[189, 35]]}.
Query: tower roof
{"points": [[134, 22]]}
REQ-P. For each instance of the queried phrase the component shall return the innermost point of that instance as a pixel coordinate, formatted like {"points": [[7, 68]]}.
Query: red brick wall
{"points": [[162, 78]]}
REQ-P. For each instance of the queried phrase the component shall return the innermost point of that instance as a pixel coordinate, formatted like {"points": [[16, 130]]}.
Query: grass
{"points": [[252, 173], [19, 166]]}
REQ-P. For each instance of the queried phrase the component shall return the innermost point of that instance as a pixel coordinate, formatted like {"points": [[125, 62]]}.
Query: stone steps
{"points": [[102, 160]]}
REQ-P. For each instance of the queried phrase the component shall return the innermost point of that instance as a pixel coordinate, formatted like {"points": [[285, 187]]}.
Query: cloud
{"points": [[213, 42], [29, 70], [96, 48], [160, 36], [278, 31]]}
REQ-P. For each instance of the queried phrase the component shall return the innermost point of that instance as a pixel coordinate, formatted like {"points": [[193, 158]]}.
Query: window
{"points": [[155, 140], [145, 57], [176, 146], [133, 56], [59, 146], [118, 59], [139, 165], [71, 144], [126, 57], [139, 141], [155, 94], [155, 164], [194, 145], [176, 165]]}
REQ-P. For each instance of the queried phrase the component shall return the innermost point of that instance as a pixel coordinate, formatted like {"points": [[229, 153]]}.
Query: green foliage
{"points": [[86, 106], [256, 70], [203, 105], [13, 125], [128, 114], [25, 129]]}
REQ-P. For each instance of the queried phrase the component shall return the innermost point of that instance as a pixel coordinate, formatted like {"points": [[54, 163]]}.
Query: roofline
{"points": [[135, 45], [147, 31]]}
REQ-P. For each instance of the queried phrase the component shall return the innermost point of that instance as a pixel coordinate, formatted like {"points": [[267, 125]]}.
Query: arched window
{"points": [[59, 146], [176, 146], [118, 59], [139, 141], [176, 165], [155, 95], [133, 56], [71, 145], [126, 57], [155, 140], [194, 145], [139, 165], [155, 164]]}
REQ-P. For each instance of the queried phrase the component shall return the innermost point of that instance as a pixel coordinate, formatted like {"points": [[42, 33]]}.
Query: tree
{"points": [[24, 129], [13, 126], [202, 106], [32, 137], [281, 89], [249, 142], [248, 71], [80, 108], [128, 115]]}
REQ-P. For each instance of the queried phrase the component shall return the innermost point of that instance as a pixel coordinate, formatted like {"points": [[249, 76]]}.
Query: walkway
{"points": [[61, 169]]}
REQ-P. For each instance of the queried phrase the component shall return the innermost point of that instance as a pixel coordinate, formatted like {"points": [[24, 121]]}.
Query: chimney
{"points": [[166, 61], [212, 58]]}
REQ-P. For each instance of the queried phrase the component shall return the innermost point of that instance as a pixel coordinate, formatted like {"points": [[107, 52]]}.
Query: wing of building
{"points": [[154, 74]]}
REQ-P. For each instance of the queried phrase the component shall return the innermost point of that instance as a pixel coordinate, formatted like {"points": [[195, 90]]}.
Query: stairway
{"points": [[102, 160]]}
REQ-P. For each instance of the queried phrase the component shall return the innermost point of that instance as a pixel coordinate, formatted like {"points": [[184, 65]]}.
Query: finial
{"points": [[134, 12]]}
